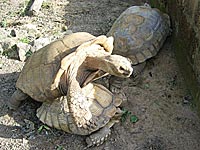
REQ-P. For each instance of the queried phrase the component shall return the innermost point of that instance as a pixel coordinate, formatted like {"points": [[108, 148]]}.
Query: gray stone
{"points": [[6, 45], [39, 43], [13, 33], [13, 49], [22, 49], [3, 34]]}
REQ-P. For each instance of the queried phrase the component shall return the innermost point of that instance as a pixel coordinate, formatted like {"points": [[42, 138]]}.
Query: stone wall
{"points": [[185, 17]]}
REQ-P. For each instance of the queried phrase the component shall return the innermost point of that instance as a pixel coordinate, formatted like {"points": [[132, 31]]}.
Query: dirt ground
{"points": [[161, 101]]}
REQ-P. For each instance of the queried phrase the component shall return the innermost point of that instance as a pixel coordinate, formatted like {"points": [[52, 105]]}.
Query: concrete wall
{"points": [[185, 16]]}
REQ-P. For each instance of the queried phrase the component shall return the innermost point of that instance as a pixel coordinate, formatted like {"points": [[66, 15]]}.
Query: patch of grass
{"points": [[59, 147], [147, 86], [46, 5], [4, 23], [25, 40], [42, 127]]}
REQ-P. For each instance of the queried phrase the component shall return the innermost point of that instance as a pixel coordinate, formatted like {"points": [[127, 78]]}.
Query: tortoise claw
{"points": [[98, 138]]}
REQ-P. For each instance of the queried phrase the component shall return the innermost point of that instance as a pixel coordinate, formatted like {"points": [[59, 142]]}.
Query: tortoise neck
{"points": [[100, 63], [63, 86]]}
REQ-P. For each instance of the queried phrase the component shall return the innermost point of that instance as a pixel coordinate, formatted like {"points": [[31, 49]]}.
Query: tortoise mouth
{"points": [[127, 74], [126, 71]]}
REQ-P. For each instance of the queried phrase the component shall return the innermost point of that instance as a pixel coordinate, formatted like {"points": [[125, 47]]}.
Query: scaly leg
{"points": [[115, 83], [99, 137], [16, 98]]}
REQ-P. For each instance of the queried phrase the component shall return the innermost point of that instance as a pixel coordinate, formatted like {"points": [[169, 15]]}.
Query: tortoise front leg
{"points": [[99, 137], [16, 98], [115, 83]]}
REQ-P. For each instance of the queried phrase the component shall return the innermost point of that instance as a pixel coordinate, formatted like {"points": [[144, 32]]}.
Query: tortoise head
{"points": [[117, 65], [113, 64]]}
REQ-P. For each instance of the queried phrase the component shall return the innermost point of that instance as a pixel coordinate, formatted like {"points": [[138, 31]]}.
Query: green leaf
{"points": [[59, 148], [146, 86], [40, 129], [125, 114], [25, 40], [43, 127], [46, 127], [133, 118]]}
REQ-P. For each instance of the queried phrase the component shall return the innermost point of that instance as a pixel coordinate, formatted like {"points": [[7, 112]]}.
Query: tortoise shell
{"points": [[40, 69], [139, 33], [103, 105]]}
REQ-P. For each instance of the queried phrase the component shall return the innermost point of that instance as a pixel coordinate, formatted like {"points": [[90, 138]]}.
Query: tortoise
{"points": [[139, 33], [59, 75]]}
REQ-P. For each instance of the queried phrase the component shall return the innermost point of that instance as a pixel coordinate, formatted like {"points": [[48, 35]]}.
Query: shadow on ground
{"points": [[22, 125], [167, 120], [160, 101]]}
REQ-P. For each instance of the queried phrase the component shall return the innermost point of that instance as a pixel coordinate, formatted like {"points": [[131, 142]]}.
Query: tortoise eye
{"points": [[121, 68]]}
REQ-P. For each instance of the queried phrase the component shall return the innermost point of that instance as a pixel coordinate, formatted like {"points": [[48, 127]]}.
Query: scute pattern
{"points": [[44, 64], [139, 33], [55, 115]]}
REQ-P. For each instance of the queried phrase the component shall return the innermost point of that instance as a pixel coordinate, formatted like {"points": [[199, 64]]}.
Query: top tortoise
{"points": [[44, 75], [59, 76], [139, 33]]}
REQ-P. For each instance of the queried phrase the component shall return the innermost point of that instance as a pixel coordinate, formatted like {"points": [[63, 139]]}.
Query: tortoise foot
{"points": [[12, 106], [15, 100], [98, 137], [116, 84], [116, 87]]}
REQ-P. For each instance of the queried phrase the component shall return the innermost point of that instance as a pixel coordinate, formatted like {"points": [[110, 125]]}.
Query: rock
{"points": [[39, 43], [7, 43], [22, 49], [31, 29], [20, 34], [3, 34], [14, 50], [29, 125], [1, 49], [11, 52], [67, 32], [13, 33], [30, 26]]}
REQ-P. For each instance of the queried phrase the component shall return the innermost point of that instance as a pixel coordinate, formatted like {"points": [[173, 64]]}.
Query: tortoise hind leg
{"points": [[16, 98], [136, 75]]}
